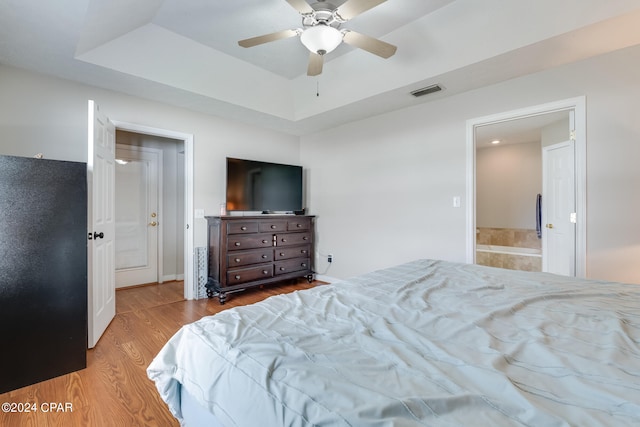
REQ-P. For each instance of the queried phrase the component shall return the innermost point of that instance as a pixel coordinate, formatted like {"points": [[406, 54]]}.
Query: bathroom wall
{"points": [[508, 180]]}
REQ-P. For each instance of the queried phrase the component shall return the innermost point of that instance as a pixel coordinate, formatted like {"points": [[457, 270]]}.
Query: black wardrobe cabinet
{"points": [[43, 270]]}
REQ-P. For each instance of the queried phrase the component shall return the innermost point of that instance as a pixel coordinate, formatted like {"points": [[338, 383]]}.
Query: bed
{"points": [[427, 343]]}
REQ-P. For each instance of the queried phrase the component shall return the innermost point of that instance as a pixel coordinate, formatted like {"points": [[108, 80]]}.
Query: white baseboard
{"points": [[172, 277], [328, 279]]}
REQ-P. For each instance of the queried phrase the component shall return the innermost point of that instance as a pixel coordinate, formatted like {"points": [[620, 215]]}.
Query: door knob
{"points": [[98, 235], [549, 225], [153, 215], [153, 224]]}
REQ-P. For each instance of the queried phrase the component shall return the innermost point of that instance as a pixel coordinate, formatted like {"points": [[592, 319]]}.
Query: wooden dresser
{"points": [[247, 251]]}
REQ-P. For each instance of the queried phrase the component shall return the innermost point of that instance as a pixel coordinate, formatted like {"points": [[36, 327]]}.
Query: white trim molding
{"points": [[189, 274], [578, 106]]}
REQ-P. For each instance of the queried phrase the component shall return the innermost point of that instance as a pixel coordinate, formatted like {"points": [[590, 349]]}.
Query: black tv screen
{"points": [[263, 186]]}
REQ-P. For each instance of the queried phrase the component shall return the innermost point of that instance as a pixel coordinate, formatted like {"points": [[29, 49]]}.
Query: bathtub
{"points": [[509, 250], [511, 257]]}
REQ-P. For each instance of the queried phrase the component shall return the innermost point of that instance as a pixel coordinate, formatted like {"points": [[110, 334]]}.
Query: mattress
{"points": [[427, 343]]}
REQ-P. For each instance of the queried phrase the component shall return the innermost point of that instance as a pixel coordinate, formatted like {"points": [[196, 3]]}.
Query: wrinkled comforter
{"points": [[427, 343]]}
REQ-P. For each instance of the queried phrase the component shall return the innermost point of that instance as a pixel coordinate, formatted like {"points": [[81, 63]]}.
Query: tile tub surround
{"points": [[502, 239], [516, 237]]}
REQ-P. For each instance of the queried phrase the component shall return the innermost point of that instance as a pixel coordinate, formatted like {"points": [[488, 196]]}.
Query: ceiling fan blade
{"points": [[375, 46], [315, 64], [301, 6], [352, 8], [254, 41]]}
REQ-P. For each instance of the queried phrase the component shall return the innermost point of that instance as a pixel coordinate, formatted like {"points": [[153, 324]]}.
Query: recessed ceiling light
{"points": [[495, 141]]}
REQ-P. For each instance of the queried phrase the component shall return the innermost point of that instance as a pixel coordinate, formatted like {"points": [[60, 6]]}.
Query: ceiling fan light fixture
{"points": [[321, 39]]}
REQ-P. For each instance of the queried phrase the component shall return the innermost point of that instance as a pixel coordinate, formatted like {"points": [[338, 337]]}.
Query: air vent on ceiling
{"points": [[426, 90]]}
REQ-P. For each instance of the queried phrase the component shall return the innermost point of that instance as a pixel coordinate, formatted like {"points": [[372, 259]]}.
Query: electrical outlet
{"points": [[329, 258]]}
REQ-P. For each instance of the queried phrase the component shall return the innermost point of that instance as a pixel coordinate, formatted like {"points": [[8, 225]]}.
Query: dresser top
{"points": [[265, 217]]}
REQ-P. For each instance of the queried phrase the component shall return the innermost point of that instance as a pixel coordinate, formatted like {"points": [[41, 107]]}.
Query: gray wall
{"points": [[508, 179], [41, 114], [382, 187]]}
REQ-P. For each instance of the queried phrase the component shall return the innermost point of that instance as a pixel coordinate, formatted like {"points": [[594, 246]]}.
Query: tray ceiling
{"points": [[185, 53]]}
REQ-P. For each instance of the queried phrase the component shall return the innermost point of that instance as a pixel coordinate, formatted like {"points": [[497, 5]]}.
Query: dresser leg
{"points": [[222, 297]]}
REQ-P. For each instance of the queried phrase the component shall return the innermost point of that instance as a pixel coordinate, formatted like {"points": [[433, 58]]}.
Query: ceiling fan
{"points": [[321, 31]]}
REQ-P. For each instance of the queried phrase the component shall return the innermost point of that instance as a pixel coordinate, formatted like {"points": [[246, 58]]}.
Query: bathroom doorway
{"points": [[507, 211], [509, 188]]}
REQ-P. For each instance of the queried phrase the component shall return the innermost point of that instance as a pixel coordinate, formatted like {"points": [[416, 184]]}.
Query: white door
{"points": [[101, 268], [558, 209], [137, 215]]}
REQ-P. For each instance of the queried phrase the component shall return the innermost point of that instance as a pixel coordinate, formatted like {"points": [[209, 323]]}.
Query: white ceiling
{"points": [[518, 131], [185, 52]]}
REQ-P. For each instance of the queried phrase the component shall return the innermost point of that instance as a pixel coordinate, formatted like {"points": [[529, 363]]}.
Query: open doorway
{"points": [[509, 188], [149, 209], [513, 217], [172, 217]]}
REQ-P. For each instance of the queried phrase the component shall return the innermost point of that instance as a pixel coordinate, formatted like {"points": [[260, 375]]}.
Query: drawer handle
{"points": [[265, 241], [237, 260], [281, 253], [298, 225], [265, 272], [304, 251], [243, 228], [237, 243], [303, 265], [305, 238], [284, 240], [273, 226], [282, 269], [264, 257], [237, 276]]}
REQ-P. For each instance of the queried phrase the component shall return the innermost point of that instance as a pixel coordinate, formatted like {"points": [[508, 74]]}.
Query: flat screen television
{"points": [[261, 186]]}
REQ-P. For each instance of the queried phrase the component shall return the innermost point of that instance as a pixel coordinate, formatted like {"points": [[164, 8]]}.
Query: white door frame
{"points": [[189, 275], [578, 106]]}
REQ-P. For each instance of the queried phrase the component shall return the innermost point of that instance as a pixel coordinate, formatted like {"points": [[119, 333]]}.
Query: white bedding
{"points": [[428, 343]]}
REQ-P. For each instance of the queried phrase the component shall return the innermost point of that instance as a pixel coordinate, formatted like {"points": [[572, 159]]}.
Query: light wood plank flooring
{"points": [[114, 389]]}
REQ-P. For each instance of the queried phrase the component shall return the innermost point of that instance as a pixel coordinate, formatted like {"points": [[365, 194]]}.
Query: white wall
{"points": [[555, 133], [382, 187], [44, 114], [508, 179]]}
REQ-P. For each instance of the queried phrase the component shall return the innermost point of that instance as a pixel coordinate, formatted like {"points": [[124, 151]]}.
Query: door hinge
{"points": [[572, 135]]}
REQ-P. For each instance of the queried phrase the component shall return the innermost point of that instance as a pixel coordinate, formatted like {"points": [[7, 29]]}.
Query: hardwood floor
{"points": [[114, 389]]}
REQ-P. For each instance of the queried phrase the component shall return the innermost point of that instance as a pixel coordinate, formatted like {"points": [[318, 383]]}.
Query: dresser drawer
{"points": [[242, 275], [292, 265], [242, 227], [249, 257], [291, 239], [299, 224], [272, 226], [293, 252], [249, 241]]}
